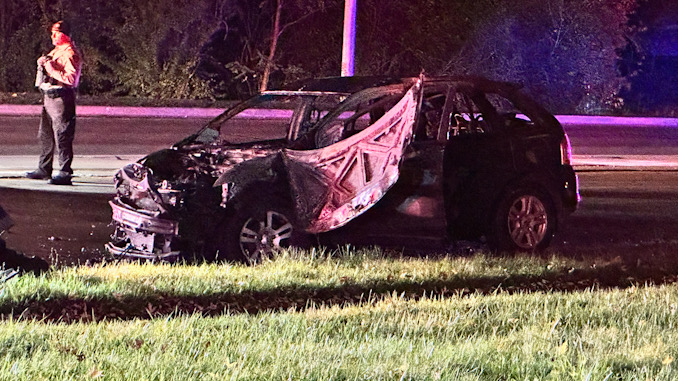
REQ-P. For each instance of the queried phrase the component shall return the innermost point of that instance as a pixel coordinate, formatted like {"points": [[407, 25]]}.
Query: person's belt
{"points": [[56, 92]]}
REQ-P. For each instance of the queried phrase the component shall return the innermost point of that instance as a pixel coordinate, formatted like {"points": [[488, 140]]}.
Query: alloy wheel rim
{"points": [[260, 239], [527, 222]]}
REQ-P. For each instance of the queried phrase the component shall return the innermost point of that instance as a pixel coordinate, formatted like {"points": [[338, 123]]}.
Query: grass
{"points": [[359, 315]]}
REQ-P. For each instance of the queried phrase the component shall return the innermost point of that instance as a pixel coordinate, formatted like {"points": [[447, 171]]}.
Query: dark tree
{"points": [[564, 51], [650, 59]]}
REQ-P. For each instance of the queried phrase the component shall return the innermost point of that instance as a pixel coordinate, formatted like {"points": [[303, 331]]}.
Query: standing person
{"points": [[61, 72]]}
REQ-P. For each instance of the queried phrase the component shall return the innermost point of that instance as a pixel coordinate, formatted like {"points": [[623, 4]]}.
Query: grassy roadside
{"points": [[297, 279], [360, 315]]}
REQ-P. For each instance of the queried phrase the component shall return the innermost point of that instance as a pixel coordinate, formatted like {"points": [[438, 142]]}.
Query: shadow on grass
{"points": [[615, 274], [20, 263]]}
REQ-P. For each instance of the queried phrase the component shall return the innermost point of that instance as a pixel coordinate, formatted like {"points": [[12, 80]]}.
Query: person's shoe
{"points": [[37, 175], [61, 180]]}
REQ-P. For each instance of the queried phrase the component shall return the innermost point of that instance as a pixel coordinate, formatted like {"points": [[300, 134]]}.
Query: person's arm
{"points": [[64, 69]]}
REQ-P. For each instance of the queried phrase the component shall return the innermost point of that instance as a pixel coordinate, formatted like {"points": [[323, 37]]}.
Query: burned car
{"points": [[399, 161]]}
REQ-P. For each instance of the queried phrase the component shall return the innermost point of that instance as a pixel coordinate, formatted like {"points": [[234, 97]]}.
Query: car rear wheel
{"points": [[524, 220], [254, 233]]}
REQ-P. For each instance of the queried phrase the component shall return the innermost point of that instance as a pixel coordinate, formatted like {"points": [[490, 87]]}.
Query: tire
{"points": [[252, 233], [524, 220]]}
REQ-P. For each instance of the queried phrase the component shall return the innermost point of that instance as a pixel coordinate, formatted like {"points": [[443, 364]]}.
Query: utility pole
{"points": [[348, 48]]}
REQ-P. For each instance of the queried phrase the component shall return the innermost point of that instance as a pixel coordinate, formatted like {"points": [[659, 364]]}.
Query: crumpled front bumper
{"points": [[141, 234]]}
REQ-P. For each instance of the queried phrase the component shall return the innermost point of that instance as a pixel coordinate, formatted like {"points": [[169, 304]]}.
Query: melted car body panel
{"points": [[333, 185], [412, 212]]}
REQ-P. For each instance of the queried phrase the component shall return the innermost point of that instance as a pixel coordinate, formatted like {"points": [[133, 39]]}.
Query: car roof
{"points": [[351, 84], [354, 84]]}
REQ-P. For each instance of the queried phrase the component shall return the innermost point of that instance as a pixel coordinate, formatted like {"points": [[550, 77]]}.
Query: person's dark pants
{"points": [[57, 130]]}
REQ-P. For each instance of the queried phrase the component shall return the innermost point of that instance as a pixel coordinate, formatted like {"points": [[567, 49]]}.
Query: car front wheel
{"points": [[524, 220], [254, 233]]}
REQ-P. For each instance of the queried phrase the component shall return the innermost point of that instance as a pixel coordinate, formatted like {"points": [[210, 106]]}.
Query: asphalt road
{"points": [[630, 213], [99, 135], [606, 139]]}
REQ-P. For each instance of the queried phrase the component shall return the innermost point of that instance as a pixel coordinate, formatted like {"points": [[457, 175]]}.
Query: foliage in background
{"points": [[552, 46], [562, 47], [650, 60], [566, 52], [160, 41], [131, 47], [19, 26]]}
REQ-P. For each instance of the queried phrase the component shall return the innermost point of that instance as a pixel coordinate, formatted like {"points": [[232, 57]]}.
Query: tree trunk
{"points": [[274, 45]]}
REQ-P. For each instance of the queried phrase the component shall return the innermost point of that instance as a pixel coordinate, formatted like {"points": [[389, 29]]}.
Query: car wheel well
{"points": [[253, 226], [258, 191]]}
